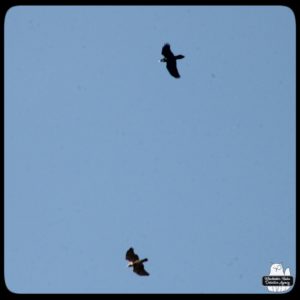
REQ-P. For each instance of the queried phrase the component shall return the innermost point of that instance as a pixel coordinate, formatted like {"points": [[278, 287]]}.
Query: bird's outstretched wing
{"points": [[131, 256], [139, 269], [166, 51], [172, 68]]}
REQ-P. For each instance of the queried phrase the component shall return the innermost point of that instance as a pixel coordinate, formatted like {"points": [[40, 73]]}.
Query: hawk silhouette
{"points": [[170, 59], [136, 263]]}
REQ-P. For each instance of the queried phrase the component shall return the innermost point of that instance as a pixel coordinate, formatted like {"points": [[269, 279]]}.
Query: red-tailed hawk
{"points": [[170, 59], [136, 263]]}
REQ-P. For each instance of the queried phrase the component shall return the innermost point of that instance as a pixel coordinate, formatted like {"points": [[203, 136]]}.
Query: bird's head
{"points": [[130, 264], [163, 60]]}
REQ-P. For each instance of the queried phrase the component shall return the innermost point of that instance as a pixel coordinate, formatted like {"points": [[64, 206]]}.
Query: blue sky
{"points": [[104, 150]]}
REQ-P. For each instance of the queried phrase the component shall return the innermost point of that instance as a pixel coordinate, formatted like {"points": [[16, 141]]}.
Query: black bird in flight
{"points": [[170, 59], [136, 263]]}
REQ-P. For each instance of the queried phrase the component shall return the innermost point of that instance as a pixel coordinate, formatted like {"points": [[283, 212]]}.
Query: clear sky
{"points": [[104, 150]]}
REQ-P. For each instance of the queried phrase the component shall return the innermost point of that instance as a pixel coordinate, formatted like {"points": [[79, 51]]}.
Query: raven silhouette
{"points": [[136, 263], [170, 59]]}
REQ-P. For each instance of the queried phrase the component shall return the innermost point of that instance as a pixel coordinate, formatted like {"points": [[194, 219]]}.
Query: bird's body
{"points": [[136, 263], [170, 60]]}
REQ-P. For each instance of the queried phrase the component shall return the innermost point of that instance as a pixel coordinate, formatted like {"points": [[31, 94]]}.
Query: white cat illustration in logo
{"points": [[277, 270]]}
